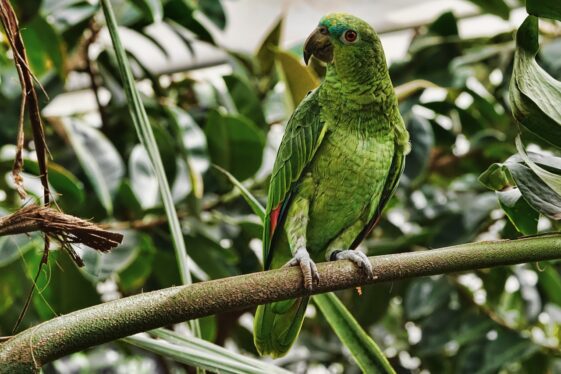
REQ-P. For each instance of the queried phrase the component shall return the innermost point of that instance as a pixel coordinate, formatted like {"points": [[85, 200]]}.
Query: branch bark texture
{"points": [[32, 348]]}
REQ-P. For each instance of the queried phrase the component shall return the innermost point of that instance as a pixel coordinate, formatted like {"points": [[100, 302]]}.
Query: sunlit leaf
{"points": [[246, 100], [298, 78]]}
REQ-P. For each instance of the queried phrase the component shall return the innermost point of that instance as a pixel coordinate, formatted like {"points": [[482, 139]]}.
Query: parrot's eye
{"points": [[350, 36]]}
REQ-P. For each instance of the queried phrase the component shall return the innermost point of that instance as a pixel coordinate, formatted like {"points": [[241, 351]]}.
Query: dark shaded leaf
{"points": [[214, 10], [246, 100], [520, 213], [235, 144], [544, 8], [266, 52], [496, 7], [534, 94]]}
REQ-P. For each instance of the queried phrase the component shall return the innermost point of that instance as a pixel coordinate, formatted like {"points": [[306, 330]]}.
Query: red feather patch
{"points": [[275, 218]]}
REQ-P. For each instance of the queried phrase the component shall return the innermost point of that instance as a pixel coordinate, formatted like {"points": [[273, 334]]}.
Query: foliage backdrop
{"points": [[464, 181]]}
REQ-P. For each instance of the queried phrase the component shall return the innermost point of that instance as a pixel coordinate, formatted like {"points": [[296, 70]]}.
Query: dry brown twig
{"points": [[54, 224]]}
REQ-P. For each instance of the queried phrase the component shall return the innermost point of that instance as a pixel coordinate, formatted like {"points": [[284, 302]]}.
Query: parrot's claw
{"points": [[359, 258], [308, 267]]}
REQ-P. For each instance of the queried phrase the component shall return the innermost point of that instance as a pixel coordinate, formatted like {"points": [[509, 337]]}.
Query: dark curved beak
{"points": [[319, 46]]}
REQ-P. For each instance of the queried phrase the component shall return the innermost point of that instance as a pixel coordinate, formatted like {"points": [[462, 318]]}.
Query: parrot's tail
{"points": [[277, 325]]}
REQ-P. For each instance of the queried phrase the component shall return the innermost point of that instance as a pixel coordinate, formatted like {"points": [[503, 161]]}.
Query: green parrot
{"points": [[338, 164]]}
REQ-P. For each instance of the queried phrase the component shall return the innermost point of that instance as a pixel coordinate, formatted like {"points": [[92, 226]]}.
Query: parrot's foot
{"points": [[308, 267], [359, 258]]}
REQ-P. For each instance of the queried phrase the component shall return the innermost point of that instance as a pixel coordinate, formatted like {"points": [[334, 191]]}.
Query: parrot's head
{"points": [[347, 42]]}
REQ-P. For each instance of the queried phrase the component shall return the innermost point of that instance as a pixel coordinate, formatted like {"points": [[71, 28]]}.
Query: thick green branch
{"points": [[113, 320]]}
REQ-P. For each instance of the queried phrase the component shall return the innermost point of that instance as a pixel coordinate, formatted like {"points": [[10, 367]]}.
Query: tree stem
{"points": [[102, 323]]}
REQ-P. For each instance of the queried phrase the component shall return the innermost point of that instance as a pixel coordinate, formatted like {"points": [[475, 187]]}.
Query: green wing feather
{"points": [[392, 180], [303, 135]]}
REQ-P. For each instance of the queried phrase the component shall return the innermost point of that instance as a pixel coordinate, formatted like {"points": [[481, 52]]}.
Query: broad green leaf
{"points": [[183, 12], [133, 277], [544, 8], [253, 203], [99, 159], [496, 7], [521, 214], [535, 192], [422, 143], [534, 94], [551, 179], [200, 353], [298, 78], [549, 282], [363, 349], [235, 144], [246, 100], [151, 8], [62, 180], [266, 51], [507, 348], [193, 146], [425, 295], [214, 10], [147, 138], [211, 257], [43, 46]]}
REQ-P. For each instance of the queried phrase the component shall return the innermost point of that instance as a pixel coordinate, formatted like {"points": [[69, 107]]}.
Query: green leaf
{"points": [[133, 277], [147, 138], [534, 94], [521, 214], [14, 246], [62, 180], [496, 177], [364, 350], [549, 281], [422, 143], [544, 8], [246, 100], [144, 182], [266, 51], [253, 203], [99, 159], [551, 179], [298, 78], [535, 192], [183, 12], [200, 353], [496, 7], [152, 8], [235, 144], [214, 10], [426, 295], [43, 46]]}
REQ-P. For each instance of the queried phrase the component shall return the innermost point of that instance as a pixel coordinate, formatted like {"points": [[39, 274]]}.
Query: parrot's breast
{"points": [[349, 173]]}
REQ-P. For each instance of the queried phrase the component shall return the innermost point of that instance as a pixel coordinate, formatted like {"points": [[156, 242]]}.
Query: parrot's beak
{"points": [[318, 45]]}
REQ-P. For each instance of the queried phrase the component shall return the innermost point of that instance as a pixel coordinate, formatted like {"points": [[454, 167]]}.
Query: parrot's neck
{"points": [[359, 81]]}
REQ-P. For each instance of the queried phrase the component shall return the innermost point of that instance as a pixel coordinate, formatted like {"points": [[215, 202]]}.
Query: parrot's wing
{"points": [[303, 135], [392, 180]]}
